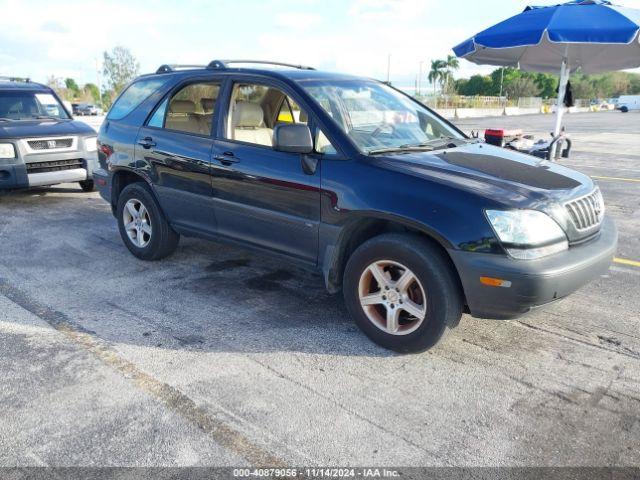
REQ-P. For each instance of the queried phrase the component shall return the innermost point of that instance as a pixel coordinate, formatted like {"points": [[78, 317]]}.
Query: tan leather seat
{"points": [[206, 118], [248, 124], [182, 117]]}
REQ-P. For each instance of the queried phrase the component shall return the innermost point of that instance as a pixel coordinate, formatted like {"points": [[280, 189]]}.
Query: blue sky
{"points": [[64, 38]]}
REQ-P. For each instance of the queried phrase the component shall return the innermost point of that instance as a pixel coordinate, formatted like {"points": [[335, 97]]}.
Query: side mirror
{"points": [[292, 137]]}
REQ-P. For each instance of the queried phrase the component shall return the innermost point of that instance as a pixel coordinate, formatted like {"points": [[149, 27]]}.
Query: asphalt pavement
{"points": [[218, 356]]}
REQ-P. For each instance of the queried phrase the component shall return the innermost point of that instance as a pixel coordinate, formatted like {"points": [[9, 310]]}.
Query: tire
{"points": [[87, 185], [155, 239], [435, 282], [624, 109]]}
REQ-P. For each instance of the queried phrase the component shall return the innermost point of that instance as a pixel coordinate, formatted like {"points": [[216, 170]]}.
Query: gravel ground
{"points": [[217, 356]]}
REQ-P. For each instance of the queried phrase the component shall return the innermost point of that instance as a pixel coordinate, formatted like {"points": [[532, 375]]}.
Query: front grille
{"points": [[54, 166], [586, 212], [50, 144]]}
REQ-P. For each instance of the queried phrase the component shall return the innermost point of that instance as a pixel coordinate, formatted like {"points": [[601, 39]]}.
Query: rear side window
{"points": [[190, 110], [134, 96]]}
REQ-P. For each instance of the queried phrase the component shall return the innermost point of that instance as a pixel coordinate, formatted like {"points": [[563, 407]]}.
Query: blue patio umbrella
{"points": [[587, 35]]}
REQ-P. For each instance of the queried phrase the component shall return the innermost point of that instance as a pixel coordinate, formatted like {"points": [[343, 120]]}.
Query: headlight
{"points": [[90, 144], [527, 234], [7, 150]]}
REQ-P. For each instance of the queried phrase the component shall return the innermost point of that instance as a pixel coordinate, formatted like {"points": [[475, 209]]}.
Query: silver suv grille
{"points": [[50, 143], [54, 166], [586, 212]]}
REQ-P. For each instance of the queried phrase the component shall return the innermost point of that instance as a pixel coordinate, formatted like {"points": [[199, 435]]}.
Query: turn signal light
{"points": [[495, 282]]}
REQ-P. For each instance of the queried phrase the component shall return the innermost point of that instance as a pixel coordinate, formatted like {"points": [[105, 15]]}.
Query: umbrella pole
{"points": [[562, 88]]}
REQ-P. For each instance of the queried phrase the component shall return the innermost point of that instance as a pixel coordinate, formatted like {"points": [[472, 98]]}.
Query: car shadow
{"points": [[206, 297], [26, 193], [238, 301]]}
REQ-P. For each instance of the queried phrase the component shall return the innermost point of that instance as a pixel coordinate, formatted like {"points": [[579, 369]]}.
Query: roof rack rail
{"points": [[15, 79], [166, 68], [217, 64]]}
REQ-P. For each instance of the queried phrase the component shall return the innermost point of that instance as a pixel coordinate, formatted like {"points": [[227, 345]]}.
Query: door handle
{"points": [[227, 158], [146, 142]]}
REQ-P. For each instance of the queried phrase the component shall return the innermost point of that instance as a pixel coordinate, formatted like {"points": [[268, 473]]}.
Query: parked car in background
{"points": [[414, 221], [626, 103], [89, 109], [599, 104], [40, 143]]}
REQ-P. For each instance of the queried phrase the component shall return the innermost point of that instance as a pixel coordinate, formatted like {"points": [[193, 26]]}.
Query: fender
{"points": [[337, 242]]}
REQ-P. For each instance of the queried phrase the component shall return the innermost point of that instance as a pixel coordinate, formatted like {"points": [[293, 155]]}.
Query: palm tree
{"points": [[436, 72], [450, 64]]}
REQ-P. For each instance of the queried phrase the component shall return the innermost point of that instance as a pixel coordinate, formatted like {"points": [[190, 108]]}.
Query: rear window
{"points": [[134, 96]]}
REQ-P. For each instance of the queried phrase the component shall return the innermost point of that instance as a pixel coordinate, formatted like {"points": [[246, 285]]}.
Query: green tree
{"points": [[476, 85], [71, 84], [634, 85], [120, 67], [517, 83], [582, 86], [524, 86], [93, 90], [548, 84], [451, 64]]}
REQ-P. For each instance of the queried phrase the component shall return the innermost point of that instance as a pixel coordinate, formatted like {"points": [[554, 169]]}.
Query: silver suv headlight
{"points": [[7, 150], [90, 144], [527, 234]]}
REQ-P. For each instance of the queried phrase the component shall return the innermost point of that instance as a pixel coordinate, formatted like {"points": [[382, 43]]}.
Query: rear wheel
{"points": [[143, 227], [401, 292], [87, 186]]}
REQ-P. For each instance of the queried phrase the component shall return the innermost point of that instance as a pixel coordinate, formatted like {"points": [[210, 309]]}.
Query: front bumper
{"points": [[14, 173], [533, 282]]}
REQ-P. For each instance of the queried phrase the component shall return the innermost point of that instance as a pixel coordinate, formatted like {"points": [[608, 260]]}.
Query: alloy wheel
{"points": [[137, 223], [392, 297]]}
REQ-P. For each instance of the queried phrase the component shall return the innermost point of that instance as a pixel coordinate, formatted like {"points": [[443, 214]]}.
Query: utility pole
{"points": [[420, 78]]}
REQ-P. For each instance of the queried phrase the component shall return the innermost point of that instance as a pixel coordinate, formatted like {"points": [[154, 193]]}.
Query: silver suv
{"points": [[40, 143]]}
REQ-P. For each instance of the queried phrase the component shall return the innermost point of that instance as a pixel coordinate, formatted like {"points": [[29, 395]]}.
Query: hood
{"points": [[43, 128], [505, 176]]}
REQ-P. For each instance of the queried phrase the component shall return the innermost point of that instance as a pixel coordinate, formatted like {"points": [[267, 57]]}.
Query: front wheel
{"points": [[402, 292], [143, 227]]}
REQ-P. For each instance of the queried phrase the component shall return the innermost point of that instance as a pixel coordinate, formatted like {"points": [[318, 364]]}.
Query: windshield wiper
{"points": [[4, 119], [402, 148], [46, 117], [435, 144]]}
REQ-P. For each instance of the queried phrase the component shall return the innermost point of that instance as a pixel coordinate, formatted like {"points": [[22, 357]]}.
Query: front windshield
{"points": [[27, 105], [377, 117]]}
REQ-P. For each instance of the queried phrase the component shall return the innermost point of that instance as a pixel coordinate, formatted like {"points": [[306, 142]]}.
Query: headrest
{"points": [[247, 114], [207, 104], [182, 106]]}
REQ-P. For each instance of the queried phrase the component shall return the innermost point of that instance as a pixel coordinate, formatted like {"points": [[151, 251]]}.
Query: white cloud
{"points": [[354, 36]]}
